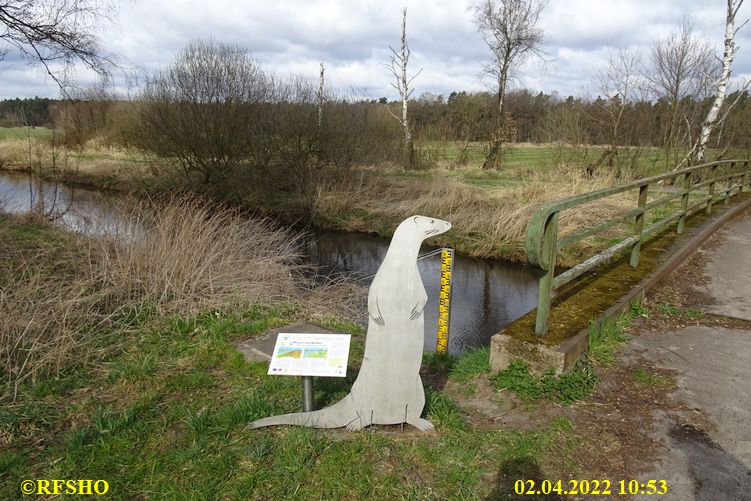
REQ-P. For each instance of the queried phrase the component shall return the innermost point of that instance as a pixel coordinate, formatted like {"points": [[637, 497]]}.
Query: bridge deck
{"points": [[713, 368]]}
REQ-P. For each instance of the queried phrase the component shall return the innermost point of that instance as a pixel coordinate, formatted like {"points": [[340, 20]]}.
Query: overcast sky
{"points": [[352, 37]]}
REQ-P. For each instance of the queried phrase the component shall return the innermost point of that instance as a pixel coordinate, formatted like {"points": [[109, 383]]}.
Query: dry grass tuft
{"points": [[60, 292], [187, 254]]}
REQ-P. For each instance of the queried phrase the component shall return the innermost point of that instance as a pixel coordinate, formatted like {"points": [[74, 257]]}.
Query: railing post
{"points": [[684, 201], [639, 225], [712, 172], [730, 184], [549, 243], [747, 177]]}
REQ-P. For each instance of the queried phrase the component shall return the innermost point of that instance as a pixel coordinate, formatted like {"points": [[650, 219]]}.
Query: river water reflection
{"points": [[486, 295]]}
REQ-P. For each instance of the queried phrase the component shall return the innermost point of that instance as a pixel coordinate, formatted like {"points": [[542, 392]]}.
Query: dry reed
{"points": [[187, 254], [486, 222], [60, 294]]}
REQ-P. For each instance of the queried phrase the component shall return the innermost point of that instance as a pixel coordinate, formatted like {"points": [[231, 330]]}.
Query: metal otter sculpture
{"points": [[388, 389]]}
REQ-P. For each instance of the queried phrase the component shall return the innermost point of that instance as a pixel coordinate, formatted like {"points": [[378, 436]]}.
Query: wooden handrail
{"points": [[542, 244]]}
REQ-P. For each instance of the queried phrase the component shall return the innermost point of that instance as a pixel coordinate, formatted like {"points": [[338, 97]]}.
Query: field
{"points": [[24, 133]]}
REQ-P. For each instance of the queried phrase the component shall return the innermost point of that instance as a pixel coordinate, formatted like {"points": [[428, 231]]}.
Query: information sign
{"points": [[303, 354]]}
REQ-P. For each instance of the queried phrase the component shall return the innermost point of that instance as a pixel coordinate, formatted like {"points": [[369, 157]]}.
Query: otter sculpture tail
{"points": [[338, 415]]}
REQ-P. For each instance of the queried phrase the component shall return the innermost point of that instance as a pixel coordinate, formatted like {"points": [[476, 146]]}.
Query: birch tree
{"points": [[509, 29], [711, 120], [402, 82], [321, 97]]}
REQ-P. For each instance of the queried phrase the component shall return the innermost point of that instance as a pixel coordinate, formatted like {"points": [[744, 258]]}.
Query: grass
{"points": [[486, 222], [24, 133], [606, 337], [566, 388], [676, 311], [165, 415], [471, 365], [461, 368], [647, 378]]}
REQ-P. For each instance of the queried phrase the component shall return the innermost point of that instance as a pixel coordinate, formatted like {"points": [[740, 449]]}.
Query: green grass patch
{"points": [[438, 363], [460, 368], [566, 388], [647, 378], [24, 133], [471, 364], [442, 411], [606, 338], [680, 312]]}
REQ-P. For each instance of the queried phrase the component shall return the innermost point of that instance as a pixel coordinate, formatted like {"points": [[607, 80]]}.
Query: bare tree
{"points": [[618, 81], [51, 31], [321, 97], [204, 110], [398, 68], [681, 67], [711, 120], [509, 28]]}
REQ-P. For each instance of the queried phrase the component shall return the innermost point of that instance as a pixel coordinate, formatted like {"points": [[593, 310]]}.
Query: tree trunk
{"points": [[727, 60], [494, 157]]}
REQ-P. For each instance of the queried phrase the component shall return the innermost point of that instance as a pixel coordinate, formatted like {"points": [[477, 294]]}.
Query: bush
{"points": [[203, 109]]}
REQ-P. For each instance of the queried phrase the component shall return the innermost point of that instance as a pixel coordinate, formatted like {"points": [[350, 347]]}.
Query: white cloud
{"points": [[352, 38]]}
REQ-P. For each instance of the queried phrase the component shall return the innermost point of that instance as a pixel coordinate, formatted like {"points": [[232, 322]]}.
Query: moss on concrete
{"points": [[577, 304]]}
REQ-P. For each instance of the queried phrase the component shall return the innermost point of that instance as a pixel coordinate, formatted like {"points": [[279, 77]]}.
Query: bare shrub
{"points": [[202, 110]]}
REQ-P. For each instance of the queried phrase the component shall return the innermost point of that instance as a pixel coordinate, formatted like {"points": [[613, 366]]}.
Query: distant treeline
{"points": [[462, 116], [544, 118], [35, 111], [362, 131]]}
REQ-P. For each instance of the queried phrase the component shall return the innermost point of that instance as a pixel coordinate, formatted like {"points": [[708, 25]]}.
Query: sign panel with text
{"points": [[303, 354]]}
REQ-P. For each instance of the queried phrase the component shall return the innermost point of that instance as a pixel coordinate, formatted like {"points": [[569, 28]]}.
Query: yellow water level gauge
{"points": [[444, 302]]}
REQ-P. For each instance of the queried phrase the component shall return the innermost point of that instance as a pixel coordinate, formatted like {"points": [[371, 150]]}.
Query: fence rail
{"points": [[542, 243]]}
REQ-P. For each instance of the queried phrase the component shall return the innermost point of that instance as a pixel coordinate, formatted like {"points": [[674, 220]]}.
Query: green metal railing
{"points": [[543, 243]]}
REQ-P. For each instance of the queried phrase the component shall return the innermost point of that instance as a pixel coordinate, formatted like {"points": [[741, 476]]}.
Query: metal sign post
{"points": [[307, 355], [444, 304], [308, 402]]}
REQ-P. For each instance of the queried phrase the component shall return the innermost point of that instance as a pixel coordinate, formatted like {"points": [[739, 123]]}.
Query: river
{"points": [[486, 295]]}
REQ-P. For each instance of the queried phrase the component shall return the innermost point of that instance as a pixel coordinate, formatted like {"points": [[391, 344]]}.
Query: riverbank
{"points": [[489, 210], [159, 408]]}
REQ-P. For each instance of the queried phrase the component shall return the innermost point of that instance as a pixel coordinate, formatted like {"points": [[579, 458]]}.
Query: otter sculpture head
{"points": [[422, 227]]}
